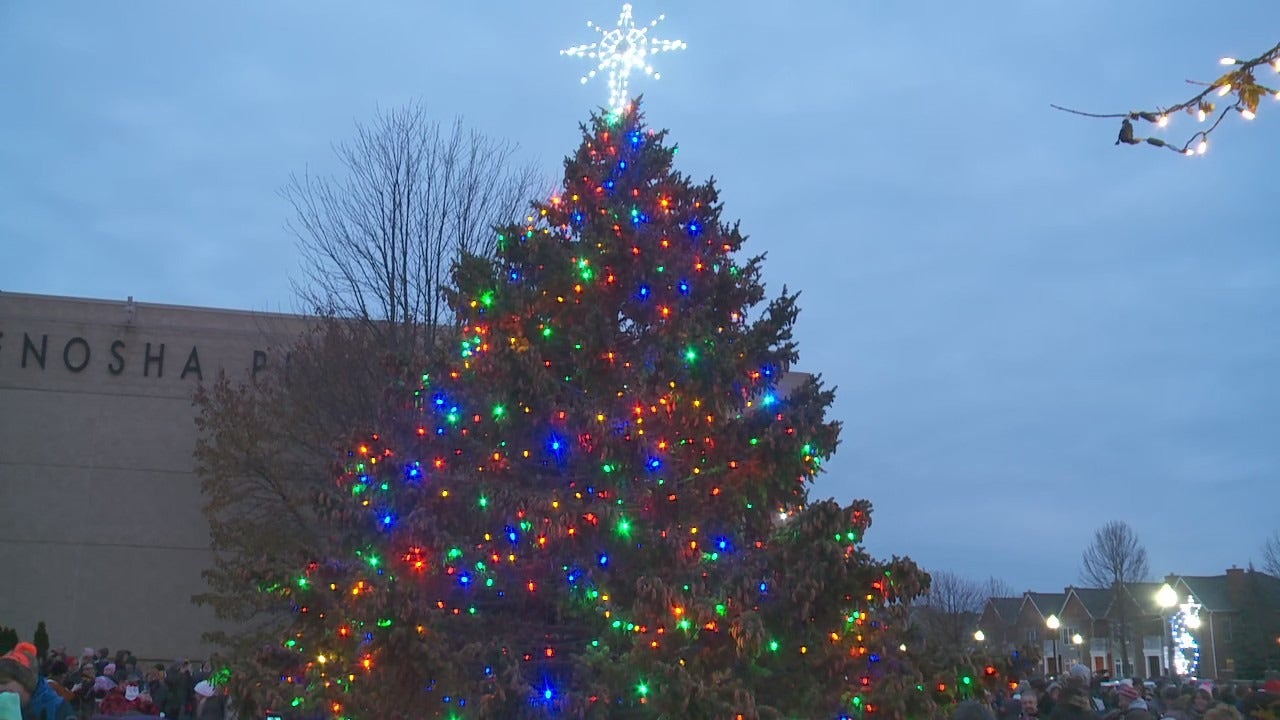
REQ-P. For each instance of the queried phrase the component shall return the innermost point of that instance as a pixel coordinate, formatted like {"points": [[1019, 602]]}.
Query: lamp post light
{"points": [[1167, 598], [1053, 623], [1078, 640], [979, 636]]}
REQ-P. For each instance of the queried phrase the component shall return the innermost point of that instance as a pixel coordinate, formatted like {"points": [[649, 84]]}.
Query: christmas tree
{"points": [[600, 509]]}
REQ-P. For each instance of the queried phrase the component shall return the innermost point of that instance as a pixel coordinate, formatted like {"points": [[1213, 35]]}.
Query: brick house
{"points": [[1089, 624], [1220, 599]]}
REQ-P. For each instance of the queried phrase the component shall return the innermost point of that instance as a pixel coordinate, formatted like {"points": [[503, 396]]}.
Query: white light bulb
{"points": [[1202, 147], [1227, 61], [1224, 89], [1200, 115], [1163, 121], [1248, 114], [1188, 152]]}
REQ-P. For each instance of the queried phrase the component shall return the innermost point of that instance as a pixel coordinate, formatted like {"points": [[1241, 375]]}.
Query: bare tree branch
{"points": [[378, 242], [949, 611], [1239, 83], [1113, 560], [997, 587], [1271, 555]]}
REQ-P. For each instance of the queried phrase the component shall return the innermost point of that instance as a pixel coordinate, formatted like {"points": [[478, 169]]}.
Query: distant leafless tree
{"points": [[949, 611], [997, 587], [1271, 555], [1114, 559], [378, 242]]}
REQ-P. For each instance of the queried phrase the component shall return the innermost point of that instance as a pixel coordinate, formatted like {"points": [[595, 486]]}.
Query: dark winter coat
{"points": [[46, 704]]}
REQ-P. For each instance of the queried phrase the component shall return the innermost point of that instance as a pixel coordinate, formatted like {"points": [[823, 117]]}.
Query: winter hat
{"points": [[204, 689], [1206, 689], [1079, 672], [110, 669], [1127, 690], [19, 664], [1272, 686]]}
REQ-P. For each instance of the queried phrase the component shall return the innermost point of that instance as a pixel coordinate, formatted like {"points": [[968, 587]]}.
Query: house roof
{"points": [[1047, 603], [1096, 601], [1006, 607], [1211, 591], [1144, 596]]}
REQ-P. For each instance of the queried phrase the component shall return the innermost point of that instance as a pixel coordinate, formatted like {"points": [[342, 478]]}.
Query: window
{"points": [[1033, 635], [1226, 629]]}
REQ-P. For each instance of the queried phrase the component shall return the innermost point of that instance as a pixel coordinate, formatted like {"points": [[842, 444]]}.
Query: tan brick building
{"points": [[101, 534]]}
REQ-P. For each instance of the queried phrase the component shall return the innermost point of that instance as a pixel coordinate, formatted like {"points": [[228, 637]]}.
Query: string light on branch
{"points": [[621, 51], [1238, 83]]}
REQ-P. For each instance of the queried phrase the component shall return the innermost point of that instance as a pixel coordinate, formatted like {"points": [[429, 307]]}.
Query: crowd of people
{"points": [[96, 685], [1077, 695]]}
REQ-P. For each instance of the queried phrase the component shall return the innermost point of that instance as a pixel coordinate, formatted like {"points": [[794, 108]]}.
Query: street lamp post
{"points": [[1053, 624], [979, 636], [1166, 598], [1078, 640]]}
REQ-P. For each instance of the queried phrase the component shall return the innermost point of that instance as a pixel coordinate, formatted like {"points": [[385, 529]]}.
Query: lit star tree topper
{"points": [[621, 51]]}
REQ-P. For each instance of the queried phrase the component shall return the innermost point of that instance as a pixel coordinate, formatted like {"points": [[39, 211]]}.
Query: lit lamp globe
{"points": [[979, 636], [1053, 622], [1166, 597], [1077, 639]]}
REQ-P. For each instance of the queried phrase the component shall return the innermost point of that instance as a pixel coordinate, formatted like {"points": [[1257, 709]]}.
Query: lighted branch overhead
{"points": [[621, 51], [1240, 84]]}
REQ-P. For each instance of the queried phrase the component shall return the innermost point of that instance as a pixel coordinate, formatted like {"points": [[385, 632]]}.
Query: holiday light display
{"points": [[622, 51], [1186, 650], [1238, 87], [600, 508]]}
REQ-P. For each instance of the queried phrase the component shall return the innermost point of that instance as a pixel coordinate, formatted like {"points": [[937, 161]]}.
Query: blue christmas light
{"points": [[683, 287], [643, 292], [603, 559]]}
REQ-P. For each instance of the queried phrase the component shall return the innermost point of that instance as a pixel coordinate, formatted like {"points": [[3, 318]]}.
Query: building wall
{"points": [[101, 534]]}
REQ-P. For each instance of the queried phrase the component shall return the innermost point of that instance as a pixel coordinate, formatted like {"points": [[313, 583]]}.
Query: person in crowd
{"points": [[1073, 703], [1222, 711], [178, 685], [19, 674], [210, 703], [100, 660], [1200, 703], [1132, 705], [1030, 702], [128, 699], [972, 710], [1172, 705], [56, 678], [1049, 698], [105, 682], [155, 687], [84, 702]]}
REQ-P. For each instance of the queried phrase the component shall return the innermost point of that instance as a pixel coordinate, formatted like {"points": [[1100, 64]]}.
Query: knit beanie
{"points": [[19, 665]]}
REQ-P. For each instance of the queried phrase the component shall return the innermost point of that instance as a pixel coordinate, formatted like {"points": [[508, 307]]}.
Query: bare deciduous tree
{"points": [[949, 611], [996, 587], [1271, 555], [378, 244], [1114, 559]]}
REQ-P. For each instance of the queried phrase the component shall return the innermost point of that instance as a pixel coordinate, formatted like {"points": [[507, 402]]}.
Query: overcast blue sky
{"points": [[1032, 331]]}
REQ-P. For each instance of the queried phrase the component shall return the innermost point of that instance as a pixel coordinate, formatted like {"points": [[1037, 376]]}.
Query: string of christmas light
{"points": [[1186, 655], [602, 502], [1240, 83], [621, 51]]}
